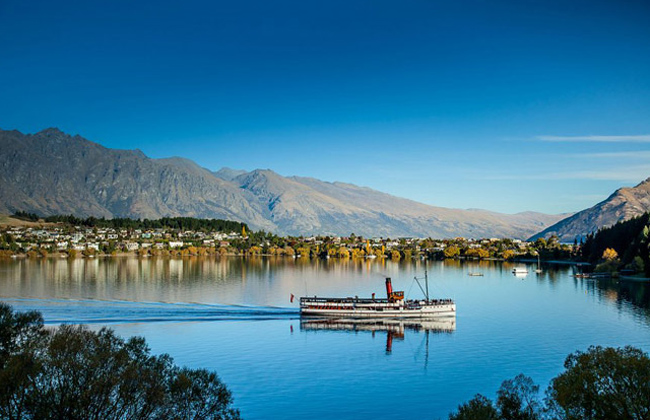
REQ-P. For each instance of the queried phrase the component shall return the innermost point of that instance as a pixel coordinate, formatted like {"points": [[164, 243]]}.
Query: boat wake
{"points": [[94, 311]]}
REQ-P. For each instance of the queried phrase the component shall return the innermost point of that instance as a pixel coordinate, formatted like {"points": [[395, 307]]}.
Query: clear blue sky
{"points": [[503, 105]]}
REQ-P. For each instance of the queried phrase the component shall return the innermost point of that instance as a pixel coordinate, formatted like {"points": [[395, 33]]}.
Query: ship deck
{"points": [[363, 307]]}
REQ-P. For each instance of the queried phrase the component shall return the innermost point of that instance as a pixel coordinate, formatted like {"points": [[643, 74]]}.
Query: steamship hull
{"points": [[361, 308]]}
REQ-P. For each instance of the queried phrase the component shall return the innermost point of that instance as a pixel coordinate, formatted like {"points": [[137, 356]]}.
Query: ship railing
{"points": [[341, 300], [371, 301]]}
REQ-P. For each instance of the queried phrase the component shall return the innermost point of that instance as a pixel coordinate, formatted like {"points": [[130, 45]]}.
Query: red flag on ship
{"points": [[292, 298]]}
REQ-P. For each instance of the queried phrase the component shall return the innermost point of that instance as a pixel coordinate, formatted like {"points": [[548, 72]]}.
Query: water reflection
{"points": [[620, 292], [269, 281], [395, 329], [223, 280]]}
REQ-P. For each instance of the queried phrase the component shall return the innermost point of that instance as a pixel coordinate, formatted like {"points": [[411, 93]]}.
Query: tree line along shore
{"points": [[73, 237], [622, 248]]}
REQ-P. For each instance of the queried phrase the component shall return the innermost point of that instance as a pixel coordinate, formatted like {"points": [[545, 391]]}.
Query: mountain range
{"points": [[623, 204], [51, 172]]}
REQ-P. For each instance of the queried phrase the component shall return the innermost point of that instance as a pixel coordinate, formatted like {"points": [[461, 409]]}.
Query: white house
{"points": [[132, 246]]}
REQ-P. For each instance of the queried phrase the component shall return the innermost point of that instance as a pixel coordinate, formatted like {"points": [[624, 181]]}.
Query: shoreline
{"points": [[132, 254], [635, 279]]}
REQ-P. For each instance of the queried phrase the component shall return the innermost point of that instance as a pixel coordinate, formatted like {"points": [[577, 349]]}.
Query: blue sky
{"points": [[502, 105]]}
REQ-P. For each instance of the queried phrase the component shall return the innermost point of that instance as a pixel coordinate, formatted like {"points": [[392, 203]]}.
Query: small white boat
{"points": [[519, 270], [539, 266]]}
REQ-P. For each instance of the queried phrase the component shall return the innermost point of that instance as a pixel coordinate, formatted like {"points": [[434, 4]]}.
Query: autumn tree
{"points": [[254, 250], [610, 254], [356, 253], [451, 251], [508, 254], [303, 251], [483, 253]]}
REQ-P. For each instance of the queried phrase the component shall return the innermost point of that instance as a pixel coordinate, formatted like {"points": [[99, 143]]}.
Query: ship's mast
{"points": [[426, 283], [425, 291]]}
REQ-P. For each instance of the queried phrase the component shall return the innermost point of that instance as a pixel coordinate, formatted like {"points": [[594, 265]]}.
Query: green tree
{"points": [[599, 384], [644, 249], [517, 399], [603, 384], [553, 242], [21, 337], [478, 408], [74, 373]]}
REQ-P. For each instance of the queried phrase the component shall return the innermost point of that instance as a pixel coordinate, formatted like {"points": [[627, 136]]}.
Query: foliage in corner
{"points": [[598, 384], [73, 373]]}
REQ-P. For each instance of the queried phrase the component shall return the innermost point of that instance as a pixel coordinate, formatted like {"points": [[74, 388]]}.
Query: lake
{"points": [[234, 316]]}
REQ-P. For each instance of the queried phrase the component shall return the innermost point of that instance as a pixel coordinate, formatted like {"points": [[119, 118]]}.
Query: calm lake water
{"points": [[233, 316]]}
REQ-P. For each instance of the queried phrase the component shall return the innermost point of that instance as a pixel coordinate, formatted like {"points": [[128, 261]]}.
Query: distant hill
{"points": [[51, 172], [624, 204], [9, 220]]}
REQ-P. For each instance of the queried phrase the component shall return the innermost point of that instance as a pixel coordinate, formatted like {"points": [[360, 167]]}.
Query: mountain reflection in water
{"points": [[620, 292]]}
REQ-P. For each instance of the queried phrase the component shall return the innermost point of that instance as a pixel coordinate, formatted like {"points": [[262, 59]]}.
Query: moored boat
{"points": [[394, 305]]}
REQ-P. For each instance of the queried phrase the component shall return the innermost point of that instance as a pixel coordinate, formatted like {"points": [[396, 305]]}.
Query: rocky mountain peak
{"points": [[52, 132], [624, 204], [228, 174]]}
